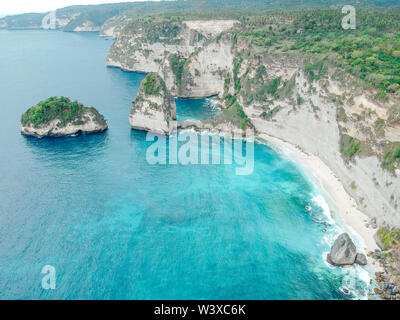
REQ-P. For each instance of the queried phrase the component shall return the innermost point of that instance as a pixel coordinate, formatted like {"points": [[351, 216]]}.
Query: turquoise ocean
{"points": [[116, 227]]}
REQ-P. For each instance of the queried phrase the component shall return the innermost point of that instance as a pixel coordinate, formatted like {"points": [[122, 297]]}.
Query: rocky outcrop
{"points": [[154, 108], [343, 251], [333, 107], [389, 259], [361, 259], [145, 44], [215, 127], [88, 123], [59, 116], [86, 26], [114, 26]]}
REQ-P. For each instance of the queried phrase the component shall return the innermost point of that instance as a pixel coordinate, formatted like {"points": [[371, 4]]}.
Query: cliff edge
{"points": [[154, 108]]}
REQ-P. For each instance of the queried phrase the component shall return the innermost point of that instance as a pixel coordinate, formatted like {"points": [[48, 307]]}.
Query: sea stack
{"points": [[344, 252], [59, 117], [154, 108]]}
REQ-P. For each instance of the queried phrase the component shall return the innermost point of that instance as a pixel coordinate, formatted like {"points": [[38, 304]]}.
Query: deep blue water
{"points": [[116, 227]]}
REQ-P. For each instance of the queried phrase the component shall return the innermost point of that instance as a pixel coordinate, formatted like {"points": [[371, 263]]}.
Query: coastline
{"points": [[347, 211]]}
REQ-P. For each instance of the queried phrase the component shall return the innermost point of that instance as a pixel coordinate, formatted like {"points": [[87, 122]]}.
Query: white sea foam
{"points": [[358, 282], [212, 103], [320, 201]]}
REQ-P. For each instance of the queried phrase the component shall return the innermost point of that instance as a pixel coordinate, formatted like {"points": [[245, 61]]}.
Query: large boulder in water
{"points": [[343, 251], [361, 259]]}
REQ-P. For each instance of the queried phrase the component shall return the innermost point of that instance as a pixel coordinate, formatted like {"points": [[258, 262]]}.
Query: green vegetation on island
{"points": [[153, 84], [59, 108], [234, 112]]}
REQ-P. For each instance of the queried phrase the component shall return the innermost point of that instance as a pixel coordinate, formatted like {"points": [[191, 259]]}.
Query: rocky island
{"points": [[154, 108], [58, 117]]}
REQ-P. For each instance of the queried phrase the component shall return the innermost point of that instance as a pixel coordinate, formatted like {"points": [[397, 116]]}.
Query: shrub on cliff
{"points": [[389, 238], [349, 147], [391, 158], [177, 66], [151, 84]]}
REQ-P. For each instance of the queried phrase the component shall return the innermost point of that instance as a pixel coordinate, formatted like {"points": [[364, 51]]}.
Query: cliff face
{"points": [[88, 123], [145, 44], [309, 103], [114, 26], [319, 116], [205, 72], [154, 108]]}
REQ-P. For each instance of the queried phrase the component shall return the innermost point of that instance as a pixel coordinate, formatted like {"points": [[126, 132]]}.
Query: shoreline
{"points": [[346, 213], [346, 206]]}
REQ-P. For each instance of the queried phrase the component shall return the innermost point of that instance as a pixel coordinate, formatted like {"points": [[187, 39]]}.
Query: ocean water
{"points": [[116, 227], [196, 109]]}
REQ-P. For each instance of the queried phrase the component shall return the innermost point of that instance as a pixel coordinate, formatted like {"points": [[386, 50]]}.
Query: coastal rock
{"points": [[343, 251], [215, 126], [377, 254], [361, 259], [144, 44], [59, 117], [154, 108], [389, 259]]}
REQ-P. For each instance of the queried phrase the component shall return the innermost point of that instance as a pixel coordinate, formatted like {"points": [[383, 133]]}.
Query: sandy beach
{"points": [[346, 206]]}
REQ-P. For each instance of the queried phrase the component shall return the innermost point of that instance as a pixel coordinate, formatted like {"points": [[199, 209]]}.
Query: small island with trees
{"points": [[59, 116]]}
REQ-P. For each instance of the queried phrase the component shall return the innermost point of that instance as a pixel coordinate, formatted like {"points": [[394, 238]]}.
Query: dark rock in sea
{"points": [[343, 251], [361, 259]]}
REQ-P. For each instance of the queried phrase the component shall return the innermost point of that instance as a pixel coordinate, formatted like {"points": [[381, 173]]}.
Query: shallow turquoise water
{"points": [[196, 109], [115, 227]]}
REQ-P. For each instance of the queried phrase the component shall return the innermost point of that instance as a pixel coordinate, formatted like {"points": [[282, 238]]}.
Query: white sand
{"points": [[346, 206]]}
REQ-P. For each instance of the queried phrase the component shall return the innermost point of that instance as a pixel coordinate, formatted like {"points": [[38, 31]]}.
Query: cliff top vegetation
{"points": [[60, 108]]}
